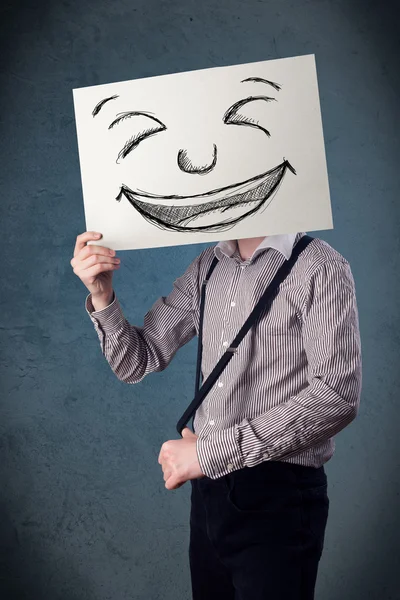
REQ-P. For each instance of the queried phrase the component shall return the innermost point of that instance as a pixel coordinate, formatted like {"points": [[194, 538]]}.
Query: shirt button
{"points": [[212, 422], [220, 384], [225, 344], [229, 467], [233, 303], [265, 455]]}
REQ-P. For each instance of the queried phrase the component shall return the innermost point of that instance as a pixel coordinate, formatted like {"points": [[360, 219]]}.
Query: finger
{"points": [[167, 474], [164, 462], [93, 272], [85, 237], [80, 264], [164, 451], [174, 483], [95, 259], [91, 250], [186, 432], [91, 254]]}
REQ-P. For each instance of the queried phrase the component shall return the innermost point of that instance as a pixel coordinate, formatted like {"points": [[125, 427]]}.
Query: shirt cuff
{"points": [[219, 453], [110, 318], [253, 449]]}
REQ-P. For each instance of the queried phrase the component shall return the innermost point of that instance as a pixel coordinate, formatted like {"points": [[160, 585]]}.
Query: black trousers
{"points": [[258, 533]]}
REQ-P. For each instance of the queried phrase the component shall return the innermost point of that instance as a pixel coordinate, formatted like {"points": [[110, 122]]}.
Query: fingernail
{"points": [[97, 235]]}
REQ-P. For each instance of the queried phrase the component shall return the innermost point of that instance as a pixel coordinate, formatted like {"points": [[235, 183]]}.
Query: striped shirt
{"points": [[295, 380]]}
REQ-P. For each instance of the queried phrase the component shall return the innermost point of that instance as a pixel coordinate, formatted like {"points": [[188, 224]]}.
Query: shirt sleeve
{"points": [[329, 402], [133, 352]]}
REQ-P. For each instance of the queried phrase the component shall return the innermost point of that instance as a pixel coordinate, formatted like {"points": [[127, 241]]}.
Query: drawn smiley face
{"points": [[217, 209]]}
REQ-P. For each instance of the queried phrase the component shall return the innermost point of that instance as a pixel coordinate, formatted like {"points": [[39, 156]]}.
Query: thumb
{"points": [[187, 433]]}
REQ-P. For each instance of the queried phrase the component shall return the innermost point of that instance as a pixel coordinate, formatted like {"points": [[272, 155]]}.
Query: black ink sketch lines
{"points": [[135, 140], [185, 164], [232, 116], [100, 105], [180, 213], [255, 193], [276, 86]]}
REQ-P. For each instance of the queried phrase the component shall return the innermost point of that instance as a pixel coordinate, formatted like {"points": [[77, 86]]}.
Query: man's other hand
{"points": [[179, 460]]}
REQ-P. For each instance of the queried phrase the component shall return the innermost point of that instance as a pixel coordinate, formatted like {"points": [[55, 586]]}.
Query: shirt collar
{"points": [[282, 243]]}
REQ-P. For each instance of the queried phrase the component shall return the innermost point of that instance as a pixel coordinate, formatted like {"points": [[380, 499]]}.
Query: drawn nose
{"points": [[186, 164]]}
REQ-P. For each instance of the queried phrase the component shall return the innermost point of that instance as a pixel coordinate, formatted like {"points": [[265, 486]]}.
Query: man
{"points": [[264, 432]]}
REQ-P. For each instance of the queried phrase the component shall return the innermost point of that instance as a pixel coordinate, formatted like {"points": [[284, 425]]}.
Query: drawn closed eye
{"points": [[233, 115], [156, 127]]}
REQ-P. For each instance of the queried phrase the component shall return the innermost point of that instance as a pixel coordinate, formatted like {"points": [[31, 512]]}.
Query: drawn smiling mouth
{"points": [[234, 203]]}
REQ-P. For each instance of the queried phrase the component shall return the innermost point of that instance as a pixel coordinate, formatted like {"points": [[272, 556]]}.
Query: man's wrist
{"points": [[102, 301]]}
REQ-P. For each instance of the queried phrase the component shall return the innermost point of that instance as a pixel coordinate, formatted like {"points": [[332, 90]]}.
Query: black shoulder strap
{"points": [[200, 342], [263, 304]]}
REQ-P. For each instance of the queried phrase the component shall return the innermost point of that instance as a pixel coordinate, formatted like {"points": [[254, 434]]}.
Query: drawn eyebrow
{"points": [[100, 105], [276, 86], [134, 113]]}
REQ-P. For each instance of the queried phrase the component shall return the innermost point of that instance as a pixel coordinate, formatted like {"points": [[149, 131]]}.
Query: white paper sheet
{"points": [[214, 154]]}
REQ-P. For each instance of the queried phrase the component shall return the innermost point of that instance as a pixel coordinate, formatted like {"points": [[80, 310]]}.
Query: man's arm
{"points": [[133, 352], [330, 401]]}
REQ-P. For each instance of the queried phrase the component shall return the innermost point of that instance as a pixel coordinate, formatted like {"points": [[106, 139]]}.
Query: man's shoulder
{"points": [[199, 266], [206, 257], [318, 254], [320, 259]]}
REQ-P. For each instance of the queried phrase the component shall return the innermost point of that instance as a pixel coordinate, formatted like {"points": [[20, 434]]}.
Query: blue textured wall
{"points": [[84, 514]]}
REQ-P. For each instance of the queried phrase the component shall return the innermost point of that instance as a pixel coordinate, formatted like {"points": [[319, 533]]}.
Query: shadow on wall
{"points": [[20, 577]]}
